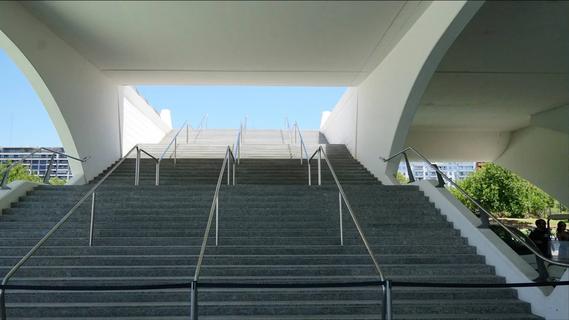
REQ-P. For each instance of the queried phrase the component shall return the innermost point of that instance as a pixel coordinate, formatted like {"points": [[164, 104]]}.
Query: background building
{"points": [[38, 163], [454, 170]]}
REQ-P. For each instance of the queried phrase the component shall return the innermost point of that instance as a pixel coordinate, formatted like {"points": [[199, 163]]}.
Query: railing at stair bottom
{"points": [[47, 174], [484, 214], [87, 195], [229, 156]]}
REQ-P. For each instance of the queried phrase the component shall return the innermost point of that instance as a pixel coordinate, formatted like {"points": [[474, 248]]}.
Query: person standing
{"points": [[563, 237], [541, 237]]}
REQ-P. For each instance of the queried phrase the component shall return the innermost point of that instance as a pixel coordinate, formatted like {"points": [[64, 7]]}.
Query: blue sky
{"points": [[265, 107], [25, 122]]}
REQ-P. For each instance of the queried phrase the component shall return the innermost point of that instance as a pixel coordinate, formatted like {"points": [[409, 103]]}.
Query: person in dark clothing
{"points": [[541, 237]]}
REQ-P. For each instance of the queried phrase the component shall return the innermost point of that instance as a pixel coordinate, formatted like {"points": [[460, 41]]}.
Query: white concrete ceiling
{"points": [[510, 62], [281, 42]]}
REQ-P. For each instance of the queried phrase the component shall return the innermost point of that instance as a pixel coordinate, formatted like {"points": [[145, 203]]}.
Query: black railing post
{"points": [[194, 301], [387, 301], [409, 171], [441, 181], [2, 304], [484, 220], [47, 174]]}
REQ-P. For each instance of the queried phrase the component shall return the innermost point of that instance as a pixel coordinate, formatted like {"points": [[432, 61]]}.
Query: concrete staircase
{"points": [[256, 144], [273, 228]]}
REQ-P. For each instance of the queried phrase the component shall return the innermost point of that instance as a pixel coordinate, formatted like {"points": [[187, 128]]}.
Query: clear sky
{"points": [[265, 107], [25, 122], [23, 119]]}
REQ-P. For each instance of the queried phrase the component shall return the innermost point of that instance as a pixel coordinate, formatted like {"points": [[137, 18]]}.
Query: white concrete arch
{"points": [[382, 107], [83, 103], [46, 98]]}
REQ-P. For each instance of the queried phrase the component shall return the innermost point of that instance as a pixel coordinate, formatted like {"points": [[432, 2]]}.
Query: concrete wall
{"points": [[340, 124], [550, 303], [387, 100], [454, 145], [542, 157], [140, 122], [82, 103]]}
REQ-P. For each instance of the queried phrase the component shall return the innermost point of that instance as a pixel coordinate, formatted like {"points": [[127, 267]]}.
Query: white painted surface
{"points": [[541, 156], [555, 119], [141, 123], [388, 98], [341, 124], [458, 145], [17, 189], [232, 42], [82, 102], [166, 116], [551, 304]]}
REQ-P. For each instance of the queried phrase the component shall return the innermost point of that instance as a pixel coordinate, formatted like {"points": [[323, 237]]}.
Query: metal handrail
{"points": [[214, 209], [342, 196], [90, 193], [201, 126], [6, 171], [477, 204], [237, 145], [239, 141], [296, 129], [175, 142]]}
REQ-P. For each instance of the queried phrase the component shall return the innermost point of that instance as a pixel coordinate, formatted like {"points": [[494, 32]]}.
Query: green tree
{"points": [[401, 178], [21, 172], [503, 192]]}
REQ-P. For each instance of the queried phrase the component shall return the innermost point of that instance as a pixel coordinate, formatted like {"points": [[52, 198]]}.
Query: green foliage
{"points": [[401, 178], [20, 172], [503, 192]]}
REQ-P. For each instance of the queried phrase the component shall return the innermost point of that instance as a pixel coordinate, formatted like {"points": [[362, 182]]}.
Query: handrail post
{"points": [[175, 147], [409, 171], [233, 162], [229, 173], [309, 174], [5, 179], [341, 222], [48, 171], [3, 304], [194, 301], [217, 219], [157, 173], [187, 133], [441, 181], [92, 225], [320, 166], [484, 219], [137, 168], [387, 300], [301, 153]]}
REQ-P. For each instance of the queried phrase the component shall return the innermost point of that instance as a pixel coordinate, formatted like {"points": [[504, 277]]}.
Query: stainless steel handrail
{"points": [[6, 171], [90, 193], [214, 209], [201, 126], [172, 141], [342, 197], [302, 144], [239, 141], [477, 204]]}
